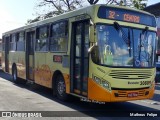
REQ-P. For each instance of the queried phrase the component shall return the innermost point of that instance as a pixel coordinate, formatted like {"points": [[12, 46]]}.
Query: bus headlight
{"points": [[97, 80], [106, 84]]}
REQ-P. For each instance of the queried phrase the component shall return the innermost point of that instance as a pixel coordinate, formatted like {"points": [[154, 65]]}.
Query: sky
{"points": [[15, 13]]}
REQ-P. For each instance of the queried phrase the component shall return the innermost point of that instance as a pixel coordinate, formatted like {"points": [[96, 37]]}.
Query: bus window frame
{"points": [[17, 40], [66, 21], [11, 41], [37, 37]]}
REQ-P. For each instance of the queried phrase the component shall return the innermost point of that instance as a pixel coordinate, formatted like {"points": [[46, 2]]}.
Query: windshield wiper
{"points": [[144, 32], [143, 36], [124, 36], [129, 42]]}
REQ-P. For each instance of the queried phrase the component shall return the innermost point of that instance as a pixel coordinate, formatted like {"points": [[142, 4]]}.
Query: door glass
{"points": [[78, 40], [80, 67], [30, 55], [78, 55], [85, 57]]}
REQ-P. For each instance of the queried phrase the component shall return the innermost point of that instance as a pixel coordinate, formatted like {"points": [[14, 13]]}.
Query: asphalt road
{"points": [[27, 98]]}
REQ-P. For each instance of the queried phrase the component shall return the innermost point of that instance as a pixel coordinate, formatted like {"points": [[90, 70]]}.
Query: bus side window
{"points": [[42, 39], [13, 44], [20, 41], [59, 36]]}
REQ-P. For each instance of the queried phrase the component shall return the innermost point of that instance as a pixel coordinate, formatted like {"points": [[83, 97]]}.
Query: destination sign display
{"points": [[126, 15]]}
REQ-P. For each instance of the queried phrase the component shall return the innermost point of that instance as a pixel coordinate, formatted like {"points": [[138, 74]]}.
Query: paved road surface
{"points": [[24, 97]]}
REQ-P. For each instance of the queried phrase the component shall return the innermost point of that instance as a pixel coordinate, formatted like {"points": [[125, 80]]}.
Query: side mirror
{"points": [[91, 22], [92, 47]]}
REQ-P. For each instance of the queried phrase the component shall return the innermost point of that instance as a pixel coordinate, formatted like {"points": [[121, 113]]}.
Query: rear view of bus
{"points": [[123, 57]]}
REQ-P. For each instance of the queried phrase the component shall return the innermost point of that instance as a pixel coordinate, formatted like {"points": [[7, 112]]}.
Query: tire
{"points": [[61, 88], [14, 74]]}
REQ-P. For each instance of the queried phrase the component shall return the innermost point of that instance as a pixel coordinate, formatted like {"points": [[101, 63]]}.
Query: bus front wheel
{"points": [[61, 88]]}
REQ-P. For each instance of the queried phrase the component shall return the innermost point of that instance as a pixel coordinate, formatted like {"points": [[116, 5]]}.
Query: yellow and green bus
{"points": [[100, 53]]}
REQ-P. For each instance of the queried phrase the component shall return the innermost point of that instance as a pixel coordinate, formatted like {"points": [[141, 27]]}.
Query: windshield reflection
{"points": [[113, 50]]}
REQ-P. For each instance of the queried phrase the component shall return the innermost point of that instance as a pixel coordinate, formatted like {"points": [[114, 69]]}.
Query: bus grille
{"points": [[125, 94], [130, 74]]}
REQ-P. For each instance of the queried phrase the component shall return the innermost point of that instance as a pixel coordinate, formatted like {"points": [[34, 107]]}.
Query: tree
{"points": [[57, 7], [60, 6], [139, 4], [92, 1]]}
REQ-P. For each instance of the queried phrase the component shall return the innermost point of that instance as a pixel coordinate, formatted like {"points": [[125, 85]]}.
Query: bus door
{"points": [[79, 57], [30, 55], [7, 40]]}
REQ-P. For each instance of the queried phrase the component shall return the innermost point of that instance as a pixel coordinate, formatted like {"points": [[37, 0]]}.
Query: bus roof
{"points": [[89, 10]]}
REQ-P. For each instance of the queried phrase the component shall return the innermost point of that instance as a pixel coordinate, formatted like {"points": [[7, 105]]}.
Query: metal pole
{"points": [[125, 2]]}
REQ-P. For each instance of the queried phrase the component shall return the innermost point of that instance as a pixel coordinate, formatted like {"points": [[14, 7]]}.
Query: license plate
{"points": [[133, 94]]}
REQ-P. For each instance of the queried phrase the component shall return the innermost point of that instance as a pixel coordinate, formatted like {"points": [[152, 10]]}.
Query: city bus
{"points": [[98, 53]]}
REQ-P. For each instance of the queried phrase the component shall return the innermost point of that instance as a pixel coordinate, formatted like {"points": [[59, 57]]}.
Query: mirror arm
{"points": [[91, 48]]}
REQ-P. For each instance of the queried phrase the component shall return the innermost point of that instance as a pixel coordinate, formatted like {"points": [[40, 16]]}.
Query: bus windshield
{"points": [[127, 47]]}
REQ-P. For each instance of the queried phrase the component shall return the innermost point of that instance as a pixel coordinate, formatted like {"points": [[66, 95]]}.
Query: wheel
{"points": [[14, 75], [61, 88]]}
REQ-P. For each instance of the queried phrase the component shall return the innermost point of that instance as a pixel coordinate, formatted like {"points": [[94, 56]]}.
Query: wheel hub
{"points": [[61, 88]]}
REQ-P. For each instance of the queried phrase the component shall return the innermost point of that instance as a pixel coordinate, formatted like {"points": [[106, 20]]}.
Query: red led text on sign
{"points": [[112, 14], [131, 18]]}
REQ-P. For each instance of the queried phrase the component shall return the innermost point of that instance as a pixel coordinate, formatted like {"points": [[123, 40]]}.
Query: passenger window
{"points": [[59, 36], [20, 41], [42, 39], [12, 42]]}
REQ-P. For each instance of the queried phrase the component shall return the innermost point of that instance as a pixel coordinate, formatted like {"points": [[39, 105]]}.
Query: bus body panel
{"points": [[18, 58], [96, 92], [45, 67]]}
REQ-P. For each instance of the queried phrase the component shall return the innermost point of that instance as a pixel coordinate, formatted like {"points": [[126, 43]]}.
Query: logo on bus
{"points": [[141, 83]]}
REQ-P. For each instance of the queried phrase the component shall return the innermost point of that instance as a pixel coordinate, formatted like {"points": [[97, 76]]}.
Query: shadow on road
{"points": [[156, 97], [89, 109], [157, 87]]}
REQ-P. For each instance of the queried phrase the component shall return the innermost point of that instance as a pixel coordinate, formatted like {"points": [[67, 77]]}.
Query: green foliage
{"points": [[57, 7], [138, 4]]}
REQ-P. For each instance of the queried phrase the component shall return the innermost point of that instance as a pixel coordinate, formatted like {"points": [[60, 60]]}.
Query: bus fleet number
{"points": [[145, 82]]}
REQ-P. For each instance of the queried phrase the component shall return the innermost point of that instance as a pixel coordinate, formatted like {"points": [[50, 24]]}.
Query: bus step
{"points": [[80, 96], [30, 81]]}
